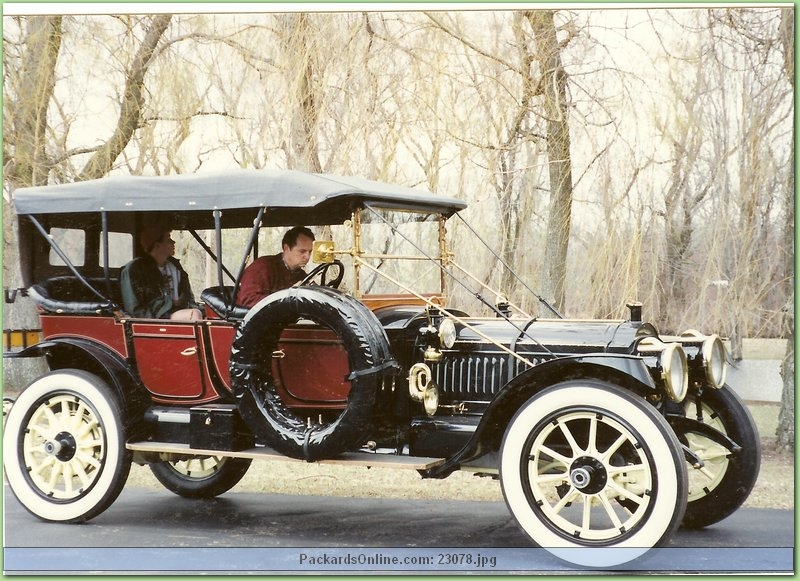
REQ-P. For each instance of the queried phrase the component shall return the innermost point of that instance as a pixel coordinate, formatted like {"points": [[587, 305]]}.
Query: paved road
{"points": [[156, 531]]}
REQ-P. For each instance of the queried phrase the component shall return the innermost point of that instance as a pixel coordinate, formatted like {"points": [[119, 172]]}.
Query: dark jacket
{"points": [[141, 284]]}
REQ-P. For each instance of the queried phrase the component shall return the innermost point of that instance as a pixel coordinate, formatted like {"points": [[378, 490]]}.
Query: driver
{"points": [[268, 274]]}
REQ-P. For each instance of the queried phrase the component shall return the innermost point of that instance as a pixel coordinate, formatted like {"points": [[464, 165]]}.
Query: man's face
{"points": [[300, 254]]}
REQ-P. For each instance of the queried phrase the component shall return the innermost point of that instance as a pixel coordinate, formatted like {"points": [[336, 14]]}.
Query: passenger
{"points": [[268, 274], [154, 285]]}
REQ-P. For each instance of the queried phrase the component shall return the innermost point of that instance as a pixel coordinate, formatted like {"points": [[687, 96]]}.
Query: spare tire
{"points": [[260, 405]]}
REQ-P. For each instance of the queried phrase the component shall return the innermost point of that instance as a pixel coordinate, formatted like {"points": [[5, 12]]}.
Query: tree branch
{"points": [[441, 26], [132, 103]]}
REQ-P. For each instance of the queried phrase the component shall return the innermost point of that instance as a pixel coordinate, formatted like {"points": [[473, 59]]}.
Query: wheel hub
{"points": [[63, 447], [588, 475]]}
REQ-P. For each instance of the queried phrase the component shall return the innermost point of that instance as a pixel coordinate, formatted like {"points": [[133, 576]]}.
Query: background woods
{"points": [[610, 155]]}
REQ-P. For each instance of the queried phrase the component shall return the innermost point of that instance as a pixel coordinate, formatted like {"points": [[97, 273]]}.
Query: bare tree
{"points": [[475, 105], [28, 98], [554, 81], [521, 94], [302, 70], [681, 202], [785, 429], [132, 103], [29, 95]]}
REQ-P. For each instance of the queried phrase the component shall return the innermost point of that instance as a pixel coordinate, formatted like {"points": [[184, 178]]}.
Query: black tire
{"points": [[64, 447], [202, 476], [583, 444], [260, 405], [721, 486]]}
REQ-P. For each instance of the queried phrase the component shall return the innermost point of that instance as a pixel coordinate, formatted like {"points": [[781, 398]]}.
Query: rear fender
{"points": [[74, 353], [627, 371]]}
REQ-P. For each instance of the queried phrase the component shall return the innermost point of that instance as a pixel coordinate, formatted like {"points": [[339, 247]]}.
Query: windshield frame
{"points": [[360, 254]]}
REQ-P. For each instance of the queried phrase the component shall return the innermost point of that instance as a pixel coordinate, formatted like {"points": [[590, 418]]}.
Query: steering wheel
{"points": [[322, 272]]}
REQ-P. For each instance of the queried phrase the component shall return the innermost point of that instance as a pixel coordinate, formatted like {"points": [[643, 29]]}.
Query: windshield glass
{"points": [[397, 248]]}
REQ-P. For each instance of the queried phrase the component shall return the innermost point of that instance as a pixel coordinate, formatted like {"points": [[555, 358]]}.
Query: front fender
{"points": [[627, 371], [75, 353], [685, 425]]}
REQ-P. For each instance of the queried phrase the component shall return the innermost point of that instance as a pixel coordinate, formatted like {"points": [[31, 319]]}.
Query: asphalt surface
{"points": [[155, 531]]}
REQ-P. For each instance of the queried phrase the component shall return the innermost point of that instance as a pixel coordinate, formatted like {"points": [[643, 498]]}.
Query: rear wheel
{"points": [[201, 476], [592, 473], [64, 447]]}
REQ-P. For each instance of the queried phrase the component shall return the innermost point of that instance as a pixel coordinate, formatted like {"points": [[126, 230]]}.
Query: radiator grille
{"points": [[475, 376]]}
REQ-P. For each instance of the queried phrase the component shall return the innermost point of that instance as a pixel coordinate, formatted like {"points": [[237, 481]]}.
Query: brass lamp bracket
{"points": [[323, 251]]}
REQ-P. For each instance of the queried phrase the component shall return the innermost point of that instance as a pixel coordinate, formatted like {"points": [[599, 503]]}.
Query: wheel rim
{"points": [[588, 476], [198, 468], [63, 447], [714, 456]]}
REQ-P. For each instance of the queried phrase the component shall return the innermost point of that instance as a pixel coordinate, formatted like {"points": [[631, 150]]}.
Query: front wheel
{"points": [[592, 473], [724, 481], [202, 476], [64, 447]]}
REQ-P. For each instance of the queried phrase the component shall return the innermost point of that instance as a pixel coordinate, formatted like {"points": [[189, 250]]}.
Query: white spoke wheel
{"points": [[714, 456], [200, 476], [726, 479], [587, 467], [64, 447]]}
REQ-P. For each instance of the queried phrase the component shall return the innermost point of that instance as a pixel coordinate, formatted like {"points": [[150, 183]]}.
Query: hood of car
{"points": [[562, 336]]}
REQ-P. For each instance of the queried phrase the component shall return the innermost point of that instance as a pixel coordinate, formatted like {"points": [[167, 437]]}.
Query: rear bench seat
{"points": [[66, 294]]}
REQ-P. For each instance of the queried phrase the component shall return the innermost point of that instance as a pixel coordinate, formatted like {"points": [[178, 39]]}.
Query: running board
{"points": [[366, 459]]}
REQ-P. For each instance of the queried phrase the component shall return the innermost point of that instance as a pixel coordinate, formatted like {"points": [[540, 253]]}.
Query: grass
{"points": [[775, 485], [774, 488]]}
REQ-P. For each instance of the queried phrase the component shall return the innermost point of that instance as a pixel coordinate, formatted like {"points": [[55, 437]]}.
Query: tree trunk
{"points": [[678, 232], [29, 166], [554, 79], [785, 430], [301, 48], [514, 212]]}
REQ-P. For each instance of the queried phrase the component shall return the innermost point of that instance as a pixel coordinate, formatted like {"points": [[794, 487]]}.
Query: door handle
{"points": [[189, 351]]}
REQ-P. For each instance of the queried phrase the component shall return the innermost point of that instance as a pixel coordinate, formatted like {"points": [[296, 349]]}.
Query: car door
{"points": [[168, 358]]}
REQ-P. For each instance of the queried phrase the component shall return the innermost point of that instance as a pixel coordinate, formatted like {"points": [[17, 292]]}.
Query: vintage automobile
{"points": [[603, 434]]}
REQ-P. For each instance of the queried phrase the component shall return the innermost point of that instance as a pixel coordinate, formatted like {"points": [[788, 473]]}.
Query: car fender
{"points": [[627, 371], [79, 353]]}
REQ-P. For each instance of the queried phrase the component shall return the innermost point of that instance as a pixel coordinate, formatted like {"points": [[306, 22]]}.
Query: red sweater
{"points": [[264, 276]]}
